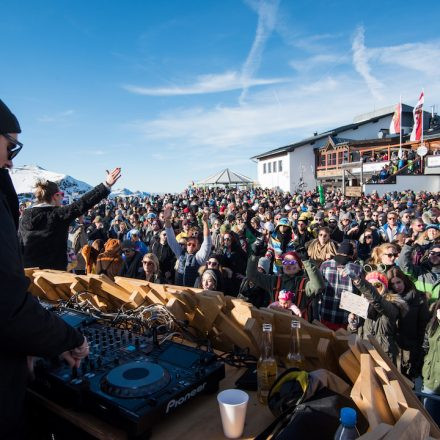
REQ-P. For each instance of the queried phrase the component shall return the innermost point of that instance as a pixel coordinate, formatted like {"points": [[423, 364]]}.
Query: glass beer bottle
{"points": [[266, 366], [294, 359]]}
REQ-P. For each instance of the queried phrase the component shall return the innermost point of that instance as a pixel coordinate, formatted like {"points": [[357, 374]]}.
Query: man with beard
{"points": [[301, 233], [165, 256], [335, 233], [280, 242]]}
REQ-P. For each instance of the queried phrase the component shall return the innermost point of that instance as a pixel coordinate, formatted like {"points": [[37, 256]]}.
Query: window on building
{"points": [[269, 167], [264, 168], [280, 165], [333, 159], [322, 160], [275, 167], [340, 157]]}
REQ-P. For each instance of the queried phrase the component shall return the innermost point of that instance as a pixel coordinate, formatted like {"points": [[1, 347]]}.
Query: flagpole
{"points": [[423, 91], [400, 127], [422, 159]]}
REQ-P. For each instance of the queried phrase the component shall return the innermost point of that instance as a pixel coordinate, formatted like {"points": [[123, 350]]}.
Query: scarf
{"points": [[321, 253]]}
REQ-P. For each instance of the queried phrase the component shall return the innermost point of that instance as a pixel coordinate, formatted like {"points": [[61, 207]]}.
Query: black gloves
{"points": [[302, 253], [258, 247]]}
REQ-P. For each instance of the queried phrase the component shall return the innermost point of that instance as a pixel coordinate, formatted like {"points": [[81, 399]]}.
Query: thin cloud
{"points": [[422, 57], [360, 61], [308, 64], [205, 84], [56, 118], [267, 13]]}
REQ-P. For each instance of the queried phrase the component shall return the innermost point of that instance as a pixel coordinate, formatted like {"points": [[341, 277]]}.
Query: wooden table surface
{"points": [[198, 419]]}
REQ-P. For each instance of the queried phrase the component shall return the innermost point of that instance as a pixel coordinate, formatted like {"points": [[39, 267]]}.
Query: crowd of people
{"points": [[295, 252], [289, 251]]}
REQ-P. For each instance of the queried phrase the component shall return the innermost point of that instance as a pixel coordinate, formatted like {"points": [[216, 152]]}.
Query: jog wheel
{"points": [[135, 379]]}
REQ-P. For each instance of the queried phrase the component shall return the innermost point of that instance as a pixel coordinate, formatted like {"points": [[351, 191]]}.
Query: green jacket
{"points": [[314, 284], [431, 365], [425, 277], [382, 318]]}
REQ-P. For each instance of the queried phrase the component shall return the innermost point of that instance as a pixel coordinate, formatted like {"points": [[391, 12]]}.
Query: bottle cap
{"points": [[348, 417]]}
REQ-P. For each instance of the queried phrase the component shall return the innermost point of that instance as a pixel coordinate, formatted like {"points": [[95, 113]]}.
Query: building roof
{"points": [[226, 177], [358, 121]]}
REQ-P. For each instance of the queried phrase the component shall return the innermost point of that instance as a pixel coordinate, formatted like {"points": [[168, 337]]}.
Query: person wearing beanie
{"points": [[284, 302], [335, 233], [280, 241], [384, 311], [210, 279], [299, 275], [301, 233], [26, 328]]}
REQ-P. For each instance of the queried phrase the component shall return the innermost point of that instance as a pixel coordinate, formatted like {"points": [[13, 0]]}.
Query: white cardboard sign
{"points": [[354, 303]]}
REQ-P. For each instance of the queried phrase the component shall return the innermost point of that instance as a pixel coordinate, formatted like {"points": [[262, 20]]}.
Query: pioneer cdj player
{"points": [[127, 379]]}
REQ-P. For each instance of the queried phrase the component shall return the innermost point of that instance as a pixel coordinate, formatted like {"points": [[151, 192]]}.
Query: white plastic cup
{"points": [[233, 405]]}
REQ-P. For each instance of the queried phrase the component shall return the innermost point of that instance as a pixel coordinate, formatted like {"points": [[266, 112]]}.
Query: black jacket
{"points": [[132, 268], [166, 257], [43, 230], [26, 328]]}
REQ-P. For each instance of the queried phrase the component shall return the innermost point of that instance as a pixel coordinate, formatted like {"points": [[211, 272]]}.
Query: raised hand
{"points": [[113, 176]]}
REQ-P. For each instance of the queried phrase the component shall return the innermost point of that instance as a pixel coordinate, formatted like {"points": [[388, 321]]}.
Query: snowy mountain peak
{"points": [[26, 176]]}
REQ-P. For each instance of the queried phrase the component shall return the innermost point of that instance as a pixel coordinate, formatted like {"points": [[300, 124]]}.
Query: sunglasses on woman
{"points": [[392, 255], [289, 262]]}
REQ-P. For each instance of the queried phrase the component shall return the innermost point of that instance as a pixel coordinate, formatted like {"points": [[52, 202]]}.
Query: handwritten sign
{"points": [[354, 303]]}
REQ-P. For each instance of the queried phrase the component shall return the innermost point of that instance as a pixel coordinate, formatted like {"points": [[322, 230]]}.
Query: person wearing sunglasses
{"points": [[166, 257], [43, 229], [385, 309], [151, 270], [194, 255], [131, 261], [392, 227], [385, 256], [299, 275], [25, 326], [367, 242]]}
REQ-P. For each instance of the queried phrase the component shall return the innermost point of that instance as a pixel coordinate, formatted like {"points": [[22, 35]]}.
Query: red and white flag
{"points": [[396, 121], [416, 133]]}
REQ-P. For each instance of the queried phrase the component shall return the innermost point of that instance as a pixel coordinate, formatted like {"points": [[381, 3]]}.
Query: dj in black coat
{"points": [[26, 328], [44, 229]]}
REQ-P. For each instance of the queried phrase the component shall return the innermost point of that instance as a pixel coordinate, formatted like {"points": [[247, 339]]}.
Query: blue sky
{"points": [[173, 91]]}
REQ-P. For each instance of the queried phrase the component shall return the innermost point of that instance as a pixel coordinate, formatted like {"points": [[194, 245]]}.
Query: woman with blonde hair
{"points": [[150, 264], [384, 257], [44, 227]]}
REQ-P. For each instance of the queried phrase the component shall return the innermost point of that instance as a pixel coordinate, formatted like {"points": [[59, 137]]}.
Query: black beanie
{"points": [[346, 248], [8, 122]]}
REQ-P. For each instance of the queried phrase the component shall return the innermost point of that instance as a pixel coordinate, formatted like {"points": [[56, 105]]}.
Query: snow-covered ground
{"points": [[25, 177]]}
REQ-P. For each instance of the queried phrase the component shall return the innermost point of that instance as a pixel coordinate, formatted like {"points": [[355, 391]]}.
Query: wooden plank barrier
{"points": [[380, 392]]}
